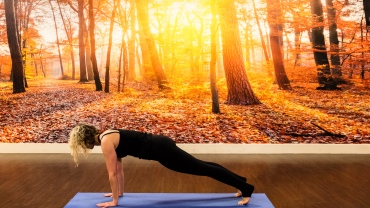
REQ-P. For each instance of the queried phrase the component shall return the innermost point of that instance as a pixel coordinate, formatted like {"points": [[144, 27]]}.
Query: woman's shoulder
{"points": [[107, 132]]}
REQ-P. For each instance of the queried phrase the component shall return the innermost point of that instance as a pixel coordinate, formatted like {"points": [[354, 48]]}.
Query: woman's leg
{"points": [[236, 175], [168, 154], [238, 192]]}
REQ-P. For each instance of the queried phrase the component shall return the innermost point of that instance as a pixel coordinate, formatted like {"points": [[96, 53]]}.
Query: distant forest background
{"points": [[163, 66], [160, 40]]}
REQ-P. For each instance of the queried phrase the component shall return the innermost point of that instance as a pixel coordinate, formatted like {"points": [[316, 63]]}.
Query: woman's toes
{"points": [[244, 201], [238, 193]]}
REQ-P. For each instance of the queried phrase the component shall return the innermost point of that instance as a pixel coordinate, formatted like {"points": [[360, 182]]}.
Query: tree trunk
{"points": [[125, 62], [35, 64], [141, 72], [260, 31], [122, 58], [73, 61], [362, 74], [274, 20], [289, 46], [297, 47], [41, 62], [81, 43], [143, 19], [42, 66], [219, 62], [23, 19], [215, 102], [120, 66], [98, 85], [239, 90], [15, 52], [131, 75], [107, 64], [146, 66], [333, 39], [89, 68], [366, 4], [24, 60], [70, 41], [57, 37], [326, 81]]}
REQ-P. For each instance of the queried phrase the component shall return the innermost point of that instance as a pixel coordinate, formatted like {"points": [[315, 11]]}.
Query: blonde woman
{"points": [[118, 143]]}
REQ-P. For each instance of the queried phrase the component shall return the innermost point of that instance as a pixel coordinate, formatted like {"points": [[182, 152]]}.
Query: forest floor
{"points": [[50, 108]]}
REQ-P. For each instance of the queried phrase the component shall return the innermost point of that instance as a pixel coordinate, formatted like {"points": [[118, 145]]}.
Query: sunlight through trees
{"points": [[168, 42]]}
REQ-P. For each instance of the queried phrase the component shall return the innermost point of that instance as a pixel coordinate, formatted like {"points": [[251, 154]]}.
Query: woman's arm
{"points": [[111, 163], [121, 177]]}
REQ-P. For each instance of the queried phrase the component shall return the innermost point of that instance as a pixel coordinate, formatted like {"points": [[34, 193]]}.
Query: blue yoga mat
{"points": [[178, 200]]}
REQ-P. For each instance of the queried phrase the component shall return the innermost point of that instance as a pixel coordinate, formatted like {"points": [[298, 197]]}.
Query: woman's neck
{"points": [[97, 140]]}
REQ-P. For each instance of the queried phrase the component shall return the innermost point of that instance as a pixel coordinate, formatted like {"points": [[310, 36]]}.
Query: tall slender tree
{"points": [[274, 20], [25, 21], [366, 4], [15, 52], [81, 41], [214, 34], [239, 90], [123, 75], [264, 47], [98, 85], [107, 63], [146, 69], [89, 68], [325, 79], [333, 40], [362, 74], [131, 75], [143, 19], [297, 43], [57, 40], [69, 33], [124, 17]]}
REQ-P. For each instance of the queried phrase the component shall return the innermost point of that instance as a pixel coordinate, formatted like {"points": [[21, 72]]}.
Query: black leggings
{"points": [[169, 155]]}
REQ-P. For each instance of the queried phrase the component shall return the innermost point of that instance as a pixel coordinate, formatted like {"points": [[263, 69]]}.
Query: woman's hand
{"points": [[110, 195], [107, 204]]}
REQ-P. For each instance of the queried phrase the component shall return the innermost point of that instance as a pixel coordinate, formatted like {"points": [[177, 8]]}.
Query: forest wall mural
{"points": [[213, 71]]}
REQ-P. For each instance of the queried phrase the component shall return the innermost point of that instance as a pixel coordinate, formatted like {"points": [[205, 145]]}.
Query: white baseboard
{"points": [[209, 148]]}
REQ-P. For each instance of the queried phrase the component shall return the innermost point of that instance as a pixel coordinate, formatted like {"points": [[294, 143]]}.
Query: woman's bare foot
{"points": [[238, 193], [244, 201]]}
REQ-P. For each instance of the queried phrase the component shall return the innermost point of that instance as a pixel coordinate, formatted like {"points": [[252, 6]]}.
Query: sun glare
{"points": [[190, 6]]}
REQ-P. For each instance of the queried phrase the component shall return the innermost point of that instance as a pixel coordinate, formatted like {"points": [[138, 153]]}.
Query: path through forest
{"points": [[50, 108]]}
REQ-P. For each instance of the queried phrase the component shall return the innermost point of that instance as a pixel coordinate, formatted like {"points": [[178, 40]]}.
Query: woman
{"points": [[118, 143]]}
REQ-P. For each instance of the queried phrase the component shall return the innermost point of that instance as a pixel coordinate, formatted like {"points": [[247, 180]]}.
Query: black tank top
{"points": [[133, 143]]}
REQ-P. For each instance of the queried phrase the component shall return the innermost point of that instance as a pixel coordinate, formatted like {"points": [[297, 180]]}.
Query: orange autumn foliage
{"points": [[50, 108]]}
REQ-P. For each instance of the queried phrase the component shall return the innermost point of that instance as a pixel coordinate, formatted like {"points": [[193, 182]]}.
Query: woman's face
{"points": [[90, 145]]}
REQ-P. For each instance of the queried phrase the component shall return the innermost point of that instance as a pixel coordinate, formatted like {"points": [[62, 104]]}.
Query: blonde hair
{"points": [[79, 136]]}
